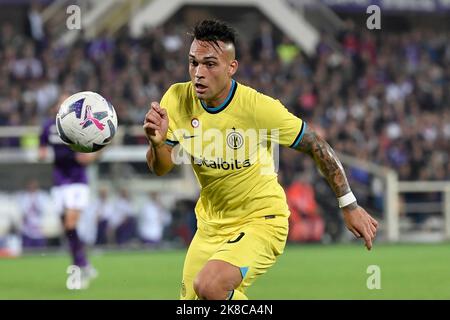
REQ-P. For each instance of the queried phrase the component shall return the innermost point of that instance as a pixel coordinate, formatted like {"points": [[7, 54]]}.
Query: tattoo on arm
{"points": [[326, 160]]}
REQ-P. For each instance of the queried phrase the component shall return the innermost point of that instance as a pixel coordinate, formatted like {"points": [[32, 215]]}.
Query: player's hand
{"points": [[156, 123], [361, 224]]}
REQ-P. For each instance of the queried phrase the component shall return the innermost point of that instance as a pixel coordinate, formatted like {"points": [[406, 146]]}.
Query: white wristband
{"points": [[347, 199]]}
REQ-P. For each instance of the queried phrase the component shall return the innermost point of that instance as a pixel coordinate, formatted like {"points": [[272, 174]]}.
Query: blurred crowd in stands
{"points": [[114, 218], [382, 97]]}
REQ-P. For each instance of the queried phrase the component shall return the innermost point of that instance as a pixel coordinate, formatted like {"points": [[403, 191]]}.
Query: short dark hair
{"points": [[214, 31]]}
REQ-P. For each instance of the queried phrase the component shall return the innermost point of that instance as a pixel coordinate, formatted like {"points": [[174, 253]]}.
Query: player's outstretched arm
{"points": [[357, 220], [159, 154]]}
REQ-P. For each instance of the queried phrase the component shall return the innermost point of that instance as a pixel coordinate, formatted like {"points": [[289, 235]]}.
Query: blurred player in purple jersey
{"points": [[70, 188]]}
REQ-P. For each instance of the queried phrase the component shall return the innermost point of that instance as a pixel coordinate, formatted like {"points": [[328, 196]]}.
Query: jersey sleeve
{"points": [[282, 126], [169, 102]]}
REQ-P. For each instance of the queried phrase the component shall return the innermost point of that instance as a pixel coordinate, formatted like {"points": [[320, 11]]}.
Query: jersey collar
{"points": [[224, 104]]}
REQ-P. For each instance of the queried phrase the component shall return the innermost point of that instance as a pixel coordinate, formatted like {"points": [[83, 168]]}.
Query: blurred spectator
{"points": [[33, 204], [172, 41], [28, 66], [123, 220], [305, 222], [9, 38], [152, 221], [36, 25], [184, 223], [10, 245], [264, 44], [104, 211], [287, 51]]}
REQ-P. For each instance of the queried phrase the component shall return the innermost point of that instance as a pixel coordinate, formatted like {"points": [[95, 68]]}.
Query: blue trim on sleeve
{"points": [[171, 142], [299, 136]]}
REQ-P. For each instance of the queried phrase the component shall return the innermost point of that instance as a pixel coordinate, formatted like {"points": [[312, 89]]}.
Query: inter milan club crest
{"points": [[195, 123], [235, 139]]}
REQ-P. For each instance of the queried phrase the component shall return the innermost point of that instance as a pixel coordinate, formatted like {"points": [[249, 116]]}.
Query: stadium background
{"points": [[380, 97]]}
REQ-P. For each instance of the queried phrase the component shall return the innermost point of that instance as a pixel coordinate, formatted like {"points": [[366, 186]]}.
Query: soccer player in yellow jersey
{"points": [[228, 130]]}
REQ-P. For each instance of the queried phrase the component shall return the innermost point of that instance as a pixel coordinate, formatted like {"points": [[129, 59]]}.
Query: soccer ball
{"points": [[86, 121]]}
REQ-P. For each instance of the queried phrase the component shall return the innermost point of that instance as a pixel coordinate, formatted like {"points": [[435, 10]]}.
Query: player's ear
{"points": [[233, 68]]}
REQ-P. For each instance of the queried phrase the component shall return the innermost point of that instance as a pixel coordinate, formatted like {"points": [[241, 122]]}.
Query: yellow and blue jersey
{"points": [[231, 149]]}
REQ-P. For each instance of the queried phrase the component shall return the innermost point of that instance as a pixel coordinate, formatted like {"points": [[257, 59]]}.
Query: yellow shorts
{"points": [[252, 247]]}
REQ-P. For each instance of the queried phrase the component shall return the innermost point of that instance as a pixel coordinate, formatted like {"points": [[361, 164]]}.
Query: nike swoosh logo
{"points": [[187, 137]]}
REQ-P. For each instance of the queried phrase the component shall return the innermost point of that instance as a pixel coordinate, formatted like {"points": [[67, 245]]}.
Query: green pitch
{"points": [[302, 272]]}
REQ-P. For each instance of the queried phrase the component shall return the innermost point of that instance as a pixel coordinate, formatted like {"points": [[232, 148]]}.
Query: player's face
{"points": [[211, 69]]}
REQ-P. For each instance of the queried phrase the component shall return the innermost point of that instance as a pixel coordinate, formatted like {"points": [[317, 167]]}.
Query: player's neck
{"points": [[221, 97]]}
